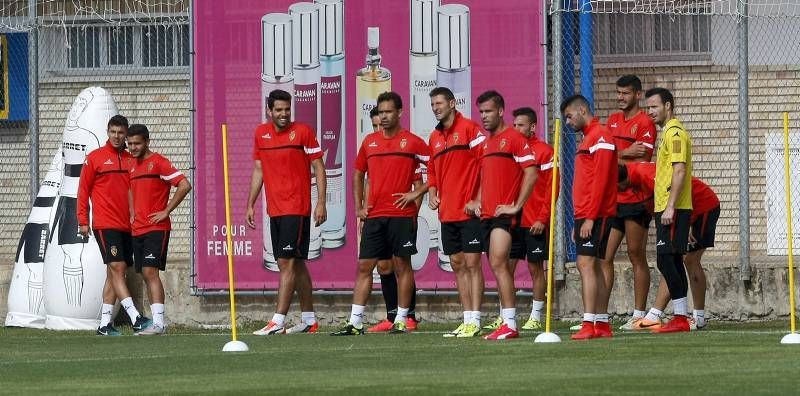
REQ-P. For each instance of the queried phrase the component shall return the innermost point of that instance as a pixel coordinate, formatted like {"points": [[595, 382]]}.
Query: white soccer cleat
{"points": [[153, 329], [271, 328]]}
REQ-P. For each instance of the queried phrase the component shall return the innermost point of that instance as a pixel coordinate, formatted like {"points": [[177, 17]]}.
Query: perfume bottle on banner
{"points": [[276, 73], [306, 106], [371, 81], [422, 79], [453, 61], [332, 124]]}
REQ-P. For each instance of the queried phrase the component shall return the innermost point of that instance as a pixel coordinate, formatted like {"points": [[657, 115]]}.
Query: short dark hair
{"points": [[373, 112], [493, 96], [526, 111], [391, 96], [278, 94], [665, 94], [139, 130], [118, 120], [444, 91], [574, 99], [630, 80]]}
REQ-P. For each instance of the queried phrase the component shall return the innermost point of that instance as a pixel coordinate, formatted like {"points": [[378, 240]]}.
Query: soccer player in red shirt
{"points": [[705, 213], [390, 158], [152, 177], [507, 175], [105, 181], [455, 146], [531, 237], [634, 137], [594, 192], [283, 152]]}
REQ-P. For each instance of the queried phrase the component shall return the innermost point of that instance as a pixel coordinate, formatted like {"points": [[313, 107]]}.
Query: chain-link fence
{"points": [[733, 67]]}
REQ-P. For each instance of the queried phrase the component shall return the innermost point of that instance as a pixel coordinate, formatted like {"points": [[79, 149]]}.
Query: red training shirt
{"points": [[538, 206], [594, 190], [454, 165], [286, 158], [105, 180], [391, 165], [151, 180], [639, 128], [503, 159], [643, 174]]}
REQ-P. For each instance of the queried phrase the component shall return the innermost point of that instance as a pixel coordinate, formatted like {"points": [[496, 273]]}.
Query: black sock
{"points": [[389, 291]]}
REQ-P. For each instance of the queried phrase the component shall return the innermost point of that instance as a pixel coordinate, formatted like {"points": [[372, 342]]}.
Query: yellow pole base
{"points": [[547, 338], [235, 346]]}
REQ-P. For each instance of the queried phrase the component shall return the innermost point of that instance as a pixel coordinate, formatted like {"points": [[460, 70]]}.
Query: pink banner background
{"points": [[506, 55]]}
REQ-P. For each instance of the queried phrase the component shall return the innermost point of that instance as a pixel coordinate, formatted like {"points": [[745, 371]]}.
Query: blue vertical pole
{"points": [[587, 66], [568, 147]]}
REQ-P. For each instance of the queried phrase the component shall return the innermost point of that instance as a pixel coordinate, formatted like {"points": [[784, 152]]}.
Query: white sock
{"points": [[476, 318], [638, 314], [654, 315], [510, 317], [402, 313], [680, 306], [308, 318], [700, 317], [536, 310], [601, 318], [357, 315], [158, 314], [588, 317], [127, 305], [105, 314], [467, 317], [278, 319]]}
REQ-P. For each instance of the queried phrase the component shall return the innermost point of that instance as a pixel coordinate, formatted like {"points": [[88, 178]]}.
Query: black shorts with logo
{"points": [[505, 223], [595, 245], [384, 237], [637, 212], [115, 246], [536, 246], [673, 238], [704, 230], [518, 243], [462, 236], [290, 235], [150, 250]]}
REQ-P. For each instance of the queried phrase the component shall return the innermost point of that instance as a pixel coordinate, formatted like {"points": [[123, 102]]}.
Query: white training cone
{"points": [[235, 346], [791, 338], [547, 338]]}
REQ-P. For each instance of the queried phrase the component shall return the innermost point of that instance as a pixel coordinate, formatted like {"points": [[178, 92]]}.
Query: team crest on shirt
{"points": [[291, 135], [502, 144], [455, 137], [150, 167], [403, 143], [634, 129], [114, 251]]}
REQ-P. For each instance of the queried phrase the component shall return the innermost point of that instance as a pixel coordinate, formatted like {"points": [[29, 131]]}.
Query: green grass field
{"points": [[723, 359]]}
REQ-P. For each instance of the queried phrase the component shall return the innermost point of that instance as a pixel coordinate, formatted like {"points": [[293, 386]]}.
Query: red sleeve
{"points": [[522, 153], [423, 154], [545, 176], [85, 184], [476, 139], [418, 174], [311, 146], [647, 135], [605, 163], [361, 158], [255, 143], [169, 173], [432, 182]]}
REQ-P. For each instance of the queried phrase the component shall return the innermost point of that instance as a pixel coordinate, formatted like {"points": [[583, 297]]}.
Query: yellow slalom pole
{"points": [[234, 345], [556, 166], [789, 235]]}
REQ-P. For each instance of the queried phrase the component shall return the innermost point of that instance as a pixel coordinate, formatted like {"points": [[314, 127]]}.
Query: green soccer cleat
{"points": [[107, 330], [494, 325], [455, 332], [349, 330], [532, 324], [398, 328], [470, 330], [576, 327]]}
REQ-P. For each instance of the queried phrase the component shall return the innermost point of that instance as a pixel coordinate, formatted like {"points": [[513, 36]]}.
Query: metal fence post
{"points": [[560, 259], [744, 146], [33, 100]]}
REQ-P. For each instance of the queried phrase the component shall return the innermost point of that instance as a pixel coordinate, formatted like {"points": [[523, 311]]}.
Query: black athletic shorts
{"points": [[150, 250], [637, 212], [384, 237], [595, 245], [462, 236], [536, 246], [506, 223], [704, 230], [291, 235], [673, 238], [518, 243], [115, 246]]}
